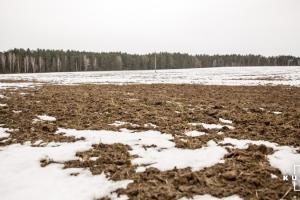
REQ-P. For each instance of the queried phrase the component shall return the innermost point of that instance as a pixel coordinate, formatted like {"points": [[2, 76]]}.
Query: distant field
{"points": [[217, 134], [208, 76]]}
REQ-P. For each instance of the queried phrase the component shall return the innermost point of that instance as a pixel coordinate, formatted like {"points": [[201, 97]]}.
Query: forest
{"points": [[35, 61]]}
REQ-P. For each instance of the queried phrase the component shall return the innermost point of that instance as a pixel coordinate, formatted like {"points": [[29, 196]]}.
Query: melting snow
{"points": [[225, 121], [3, 105], [57, 183], [17, 84], [17, 111], [274, 176], [3, 132], [207, 76], [194, 133], [2, 96], [220, 133], [150, 125], [22, 177], [165, 156], [211, 126], [120, 123], [44, 118], [209, 197]]}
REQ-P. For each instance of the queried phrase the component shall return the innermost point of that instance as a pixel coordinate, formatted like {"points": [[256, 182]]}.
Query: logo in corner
{"points": [[295, 178]]}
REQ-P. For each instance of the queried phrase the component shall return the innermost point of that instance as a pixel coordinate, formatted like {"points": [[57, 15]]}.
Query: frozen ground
{"points": [[208, 76]]}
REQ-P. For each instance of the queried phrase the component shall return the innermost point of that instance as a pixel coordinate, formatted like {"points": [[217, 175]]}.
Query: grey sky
{"points": [[268, 27]]}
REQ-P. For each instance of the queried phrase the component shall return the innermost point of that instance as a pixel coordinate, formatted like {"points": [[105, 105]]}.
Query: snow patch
{"points": [[164, 156], [4, 133], [225, 121], [121, 123], [140, 169], [17, 85], [211, 126], [118, 123], [3, 104], [285, 159], [93, 158], [17, 111], [209, 197], [207, 76], [167, 159], [150, 125], [22, 177], [244, 144], [44, 118], [273, 176], [220, 133], [194, 133], [277, 113], [2, 96]]}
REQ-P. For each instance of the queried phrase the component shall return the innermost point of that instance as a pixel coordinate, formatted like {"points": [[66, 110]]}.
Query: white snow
{"points": [[180, 158], [120, 123], [211, 126], [277, 113], [194, 133], [38, 142], [22, 163], [140, 169], [17, 111], [23, 93], [244, 144], [209, 197], [220, 133], [150, 125], [165, 156], [3, 132], [2, 96], [285, 160], [225, 121], [93, 158], [24, 159], [3, 104], [261, 75], [22, 177], [17, 85], [44, 118], [273, 176]]}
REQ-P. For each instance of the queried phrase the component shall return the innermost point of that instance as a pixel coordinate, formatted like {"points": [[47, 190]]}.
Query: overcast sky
{"points": [[268, 27]]}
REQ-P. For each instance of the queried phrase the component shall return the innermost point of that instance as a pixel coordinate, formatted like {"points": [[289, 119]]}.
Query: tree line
{"points": [[40, 60]]}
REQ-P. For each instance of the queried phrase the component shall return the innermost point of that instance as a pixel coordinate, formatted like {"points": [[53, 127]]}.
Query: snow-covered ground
{"points": [[287, 75], [21, 163]]}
